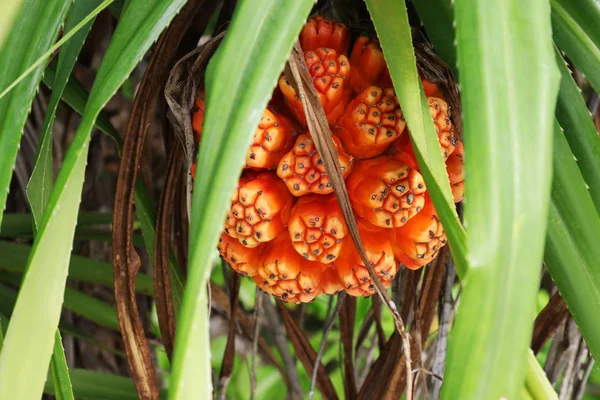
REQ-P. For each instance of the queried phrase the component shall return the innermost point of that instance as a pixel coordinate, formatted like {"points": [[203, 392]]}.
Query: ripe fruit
{"points": [[371, 122], [260, 208], [285, 228], [418, 242], [273, 137], [455, 166], [386, 191], [329, 72], [198, 118], [303, 171], [242, 259], [320, 31], [285, 274], [368, 65], [317, 228], [351, 269]]}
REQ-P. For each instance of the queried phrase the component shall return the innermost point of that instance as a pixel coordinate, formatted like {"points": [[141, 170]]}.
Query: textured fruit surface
{"points": [[443, 125], [273, 137], [455, 166], [418, 242], [320, 31], [242, 259], [260, 208], [317, 228], [368, 65], [352, 270], [329, 72], [330, 281], [385, 191], [371, 122], [303, 170], [285, 274]]}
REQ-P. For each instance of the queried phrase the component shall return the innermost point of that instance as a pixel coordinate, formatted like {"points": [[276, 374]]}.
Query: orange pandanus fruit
{"points": [[273, 137], [455, 166], [320, 31], [418, 242], [443, 126], [368, 65], [317, 228], [385, 191], [241, 259], [329, 71], [371, 122], [303, 170], [260, 208], [351, 268], [285, 274], [198, 118]]}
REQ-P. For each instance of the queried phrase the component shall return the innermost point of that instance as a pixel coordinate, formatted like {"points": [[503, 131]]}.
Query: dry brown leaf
{"points": [[548, 321]]}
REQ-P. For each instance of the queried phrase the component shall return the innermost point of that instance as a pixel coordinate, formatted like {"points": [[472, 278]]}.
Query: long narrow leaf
{"points": [[27, 349], [391, 21], [509, 87], [572, 251], [98, 385], [575, 28], [257, 42], [14, 258], [40, 183], [37, 29], [7, 18], [60, 371], [574, 117]]}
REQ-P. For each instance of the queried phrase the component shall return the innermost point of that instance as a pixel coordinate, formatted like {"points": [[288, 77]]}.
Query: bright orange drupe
{"points": [[242, 259], [260, 208], [320, 31]]}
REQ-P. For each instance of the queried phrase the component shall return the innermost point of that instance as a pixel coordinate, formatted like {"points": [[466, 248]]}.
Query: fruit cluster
{"points": [[285, 228]]}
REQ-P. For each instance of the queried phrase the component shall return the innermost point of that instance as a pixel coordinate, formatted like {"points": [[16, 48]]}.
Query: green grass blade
{"points": [[578, 36], [27, 350], [60, 371], [39, 22], [94, 385], [391, 21], [89, 17], [13, 258], [572, 250], [76, 97], [509, 89], [40, 183], [574, 117], [257, 42]]}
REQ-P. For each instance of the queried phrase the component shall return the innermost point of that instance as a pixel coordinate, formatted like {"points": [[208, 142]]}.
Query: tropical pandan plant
{"points": [[344, 199]]}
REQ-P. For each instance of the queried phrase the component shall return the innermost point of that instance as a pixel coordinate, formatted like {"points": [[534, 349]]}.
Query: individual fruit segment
{"points": [[455, 166], [329, 72], [330, 281], [418, 242], [240, 258], [303, 170], [321, 31], [198, 117], [285, 274], [351, 269], [273, 137], [443, 125], [385, 191], [368, 65], [317, 228], [371, 122], [260, 208]]}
